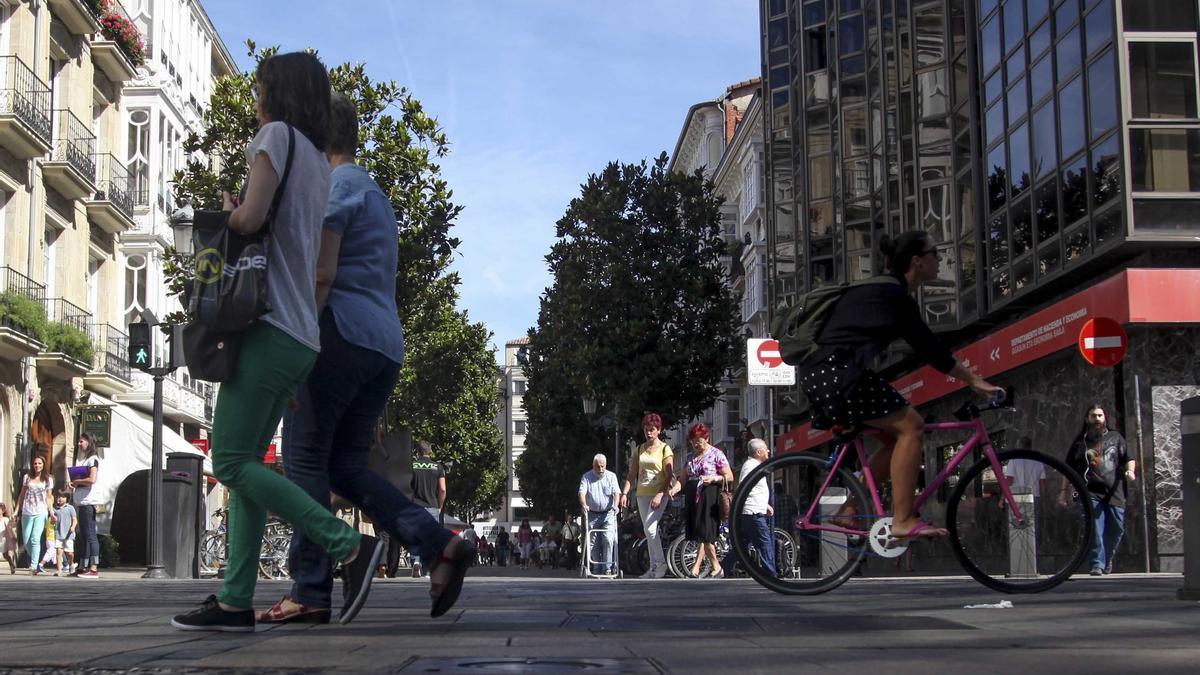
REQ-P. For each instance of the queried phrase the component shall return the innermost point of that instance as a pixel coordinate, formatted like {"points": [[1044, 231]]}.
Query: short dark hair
{"points": [[343, 128], [898, 253], [295, 90], [424, 447]]}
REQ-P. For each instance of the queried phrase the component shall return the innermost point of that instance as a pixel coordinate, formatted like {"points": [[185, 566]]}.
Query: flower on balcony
{"points": [[116, 27]]}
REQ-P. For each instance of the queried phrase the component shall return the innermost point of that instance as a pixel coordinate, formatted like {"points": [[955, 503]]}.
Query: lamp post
{"points": [[589, 409]]}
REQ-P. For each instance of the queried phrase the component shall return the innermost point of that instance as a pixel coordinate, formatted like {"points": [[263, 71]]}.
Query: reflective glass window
{"points": [[854, 125], [1108, 227], [1018, 158], [1049, 257], [1078, 243], [849, 6], [1102, 95], [1044, 158], [814, 13], [990, 47], [1074, 190], [816, 49], [962, 87], [993, 87], [930, 25], [933, 93], [820, 218], [995, 122], [1040, 40], [816, 88], [1173, 216], [1018, 102], [1160, 15], [1071, 129], [1162, 79], [1046, 210], [997, 180], [1099, 25], [1165, 160], [1106, 170], [958, 25], [1014, 24], [850, 35], [998, 242], [986, 6], [820, 177], [779, 76], [854, 65], [1015, 66], [1036, 9], [1041, 79], [1065, 15], [966, 206], [777, 33], [1021, 222], [1067, 52]]}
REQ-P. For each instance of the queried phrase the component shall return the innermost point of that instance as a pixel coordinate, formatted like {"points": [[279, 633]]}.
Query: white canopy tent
{"points": [[129, 451]]}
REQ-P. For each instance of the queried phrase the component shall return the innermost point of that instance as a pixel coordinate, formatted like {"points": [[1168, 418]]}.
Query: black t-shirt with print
{"points": [[1102, 465], [426, 473]]}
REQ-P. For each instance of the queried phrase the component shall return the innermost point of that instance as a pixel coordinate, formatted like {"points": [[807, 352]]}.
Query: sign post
{"points": [[765, 366]]}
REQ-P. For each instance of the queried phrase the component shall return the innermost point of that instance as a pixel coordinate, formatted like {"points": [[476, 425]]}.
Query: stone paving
{"points": [[557, 623]]}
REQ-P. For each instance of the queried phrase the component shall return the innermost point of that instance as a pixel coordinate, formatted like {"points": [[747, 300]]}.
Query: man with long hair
{"points": [[1101, 456]]}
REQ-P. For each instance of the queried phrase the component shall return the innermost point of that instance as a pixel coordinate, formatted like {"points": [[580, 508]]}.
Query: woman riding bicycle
{"points": [[845, 392]]}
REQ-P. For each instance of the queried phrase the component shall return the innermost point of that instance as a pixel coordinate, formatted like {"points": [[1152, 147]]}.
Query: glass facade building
{"points": [[1039, 142]]}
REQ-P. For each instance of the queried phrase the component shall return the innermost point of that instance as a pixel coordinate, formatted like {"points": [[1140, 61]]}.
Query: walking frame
{"points": [[586, 562]]}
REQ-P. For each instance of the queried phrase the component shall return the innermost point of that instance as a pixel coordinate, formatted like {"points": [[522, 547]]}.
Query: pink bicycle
{"points": [[1016, 521]]}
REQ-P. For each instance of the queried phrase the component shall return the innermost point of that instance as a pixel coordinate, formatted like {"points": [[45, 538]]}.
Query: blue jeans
{"points": [[326, 441], [1110, 527], [602, 547], [756, 534], [90, 555]]}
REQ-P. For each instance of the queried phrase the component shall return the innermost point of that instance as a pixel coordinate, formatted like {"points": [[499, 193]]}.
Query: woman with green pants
{"points": [[276, 354]]}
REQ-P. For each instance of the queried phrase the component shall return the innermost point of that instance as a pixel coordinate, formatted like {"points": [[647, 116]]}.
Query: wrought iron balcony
{"points": [[72, 168], [112, 347], [112, 205], [22, 314], [61, 310], [25, 119]]}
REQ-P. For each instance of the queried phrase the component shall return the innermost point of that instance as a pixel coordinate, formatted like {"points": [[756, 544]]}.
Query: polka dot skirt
{"points": [[841, 394]]}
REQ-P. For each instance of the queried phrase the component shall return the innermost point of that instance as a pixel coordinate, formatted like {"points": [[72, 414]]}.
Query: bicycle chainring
{"points": [[882, 543]]}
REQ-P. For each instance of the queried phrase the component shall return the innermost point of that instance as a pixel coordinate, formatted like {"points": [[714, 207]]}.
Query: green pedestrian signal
{"points": [[141, 347]]}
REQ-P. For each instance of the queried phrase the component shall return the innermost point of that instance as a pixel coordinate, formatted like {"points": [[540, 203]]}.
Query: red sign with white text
{"points": [[1103, 342], [201, 444], [1132, 296]]}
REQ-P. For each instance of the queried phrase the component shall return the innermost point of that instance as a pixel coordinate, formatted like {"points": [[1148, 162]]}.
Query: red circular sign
{"points": [[1103, 342], [768, 354]]}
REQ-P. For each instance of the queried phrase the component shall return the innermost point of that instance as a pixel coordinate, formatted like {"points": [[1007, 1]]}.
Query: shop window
{"points": [[1162, 80], [1165, 159]]}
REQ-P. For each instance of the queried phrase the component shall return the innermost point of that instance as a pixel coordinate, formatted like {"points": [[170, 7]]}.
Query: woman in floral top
{"points": [[706, 471]]}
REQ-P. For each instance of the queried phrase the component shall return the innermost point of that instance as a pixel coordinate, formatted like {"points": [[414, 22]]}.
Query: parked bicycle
{"points": [[1010, 527], [272, 558]]}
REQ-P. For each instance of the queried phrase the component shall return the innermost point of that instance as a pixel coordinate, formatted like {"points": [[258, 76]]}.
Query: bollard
{"points": [[1022, 539], [1189, 482], [833, 544]]}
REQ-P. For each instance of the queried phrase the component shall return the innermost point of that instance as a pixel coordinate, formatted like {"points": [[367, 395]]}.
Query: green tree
{"points": [[446, 392], [639, 316]]}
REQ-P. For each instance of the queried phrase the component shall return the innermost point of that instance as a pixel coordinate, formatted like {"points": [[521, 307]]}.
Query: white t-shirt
{"points": [[296, 232], [1025, 473], [37, 494], [83, 493], [756, 503]]}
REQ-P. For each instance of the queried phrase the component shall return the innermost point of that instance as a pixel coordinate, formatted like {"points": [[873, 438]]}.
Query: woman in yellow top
{"points": [[653, 468]]}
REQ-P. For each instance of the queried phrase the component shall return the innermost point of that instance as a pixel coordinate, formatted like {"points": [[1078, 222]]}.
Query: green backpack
{"points": [[798, 327]]}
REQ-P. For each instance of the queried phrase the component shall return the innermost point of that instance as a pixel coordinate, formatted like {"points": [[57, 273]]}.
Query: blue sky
{"points": [[533, 94]]}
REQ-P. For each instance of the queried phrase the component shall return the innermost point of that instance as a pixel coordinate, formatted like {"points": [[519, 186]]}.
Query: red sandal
{"points": [[301, 614], [445, 595]]}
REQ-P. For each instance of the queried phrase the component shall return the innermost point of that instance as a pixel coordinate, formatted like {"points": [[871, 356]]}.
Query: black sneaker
{"points": [[210, 616], [357, 577]]}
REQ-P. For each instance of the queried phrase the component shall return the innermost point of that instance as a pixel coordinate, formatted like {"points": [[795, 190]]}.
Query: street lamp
{"points": [[589, 409], [181, 228], [589, 406]]}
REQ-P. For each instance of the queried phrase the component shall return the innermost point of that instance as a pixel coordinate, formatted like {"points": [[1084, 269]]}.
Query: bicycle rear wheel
{"points": [[1039, 550], [818, 560]]}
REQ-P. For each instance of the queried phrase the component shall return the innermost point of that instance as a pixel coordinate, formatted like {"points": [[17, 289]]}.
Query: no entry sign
{"points": [[764, 364], [1103, 342]]}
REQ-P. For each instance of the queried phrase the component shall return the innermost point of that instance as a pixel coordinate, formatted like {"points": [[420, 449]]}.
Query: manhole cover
{"points": [[536, 665]]}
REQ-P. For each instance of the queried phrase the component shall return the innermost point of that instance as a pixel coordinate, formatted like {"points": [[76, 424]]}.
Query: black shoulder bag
{"points": [[229, 286]]}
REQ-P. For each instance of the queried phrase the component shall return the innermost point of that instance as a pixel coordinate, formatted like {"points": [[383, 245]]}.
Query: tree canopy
{"points": [[447, 392], [639, 316]]}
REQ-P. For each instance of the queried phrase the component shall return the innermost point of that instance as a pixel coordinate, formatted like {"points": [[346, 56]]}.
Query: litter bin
{"points": [[179, 530], [193, 509]]}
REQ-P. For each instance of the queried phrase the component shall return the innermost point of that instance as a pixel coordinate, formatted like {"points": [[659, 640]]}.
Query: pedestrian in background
{"points": [[754, 518], [652, 469], [87, 462], [525, 542], [1101, 456], [8, 539], [276, 353], [64, 534], [706, 472], [503, 546], [33, 505], [429, 491], [599, 501], [339, 405]]}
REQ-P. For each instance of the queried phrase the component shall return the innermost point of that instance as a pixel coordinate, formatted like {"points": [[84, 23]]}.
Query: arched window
{"points": [[715, 147]]}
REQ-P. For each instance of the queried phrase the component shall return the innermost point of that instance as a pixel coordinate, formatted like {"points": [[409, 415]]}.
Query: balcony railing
{"points": [[113, 183], [24, 95], [74, 143], [63, 311], [20, 294], [112, 350]]}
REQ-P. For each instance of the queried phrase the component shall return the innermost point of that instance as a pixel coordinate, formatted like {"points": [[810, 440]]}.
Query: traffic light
{"points": [[141, 347]]}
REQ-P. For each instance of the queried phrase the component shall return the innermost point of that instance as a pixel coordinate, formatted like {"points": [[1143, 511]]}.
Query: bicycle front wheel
{"points": [[1033, 550], [807, 498]]}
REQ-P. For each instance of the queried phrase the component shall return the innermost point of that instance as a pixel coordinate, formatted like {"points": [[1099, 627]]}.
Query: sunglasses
{"points": [[933, 251]]}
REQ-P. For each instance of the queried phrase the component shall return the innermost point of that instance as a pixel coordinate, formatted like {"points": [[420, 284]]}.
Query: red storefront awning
{"points": [[1159, 296]]}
